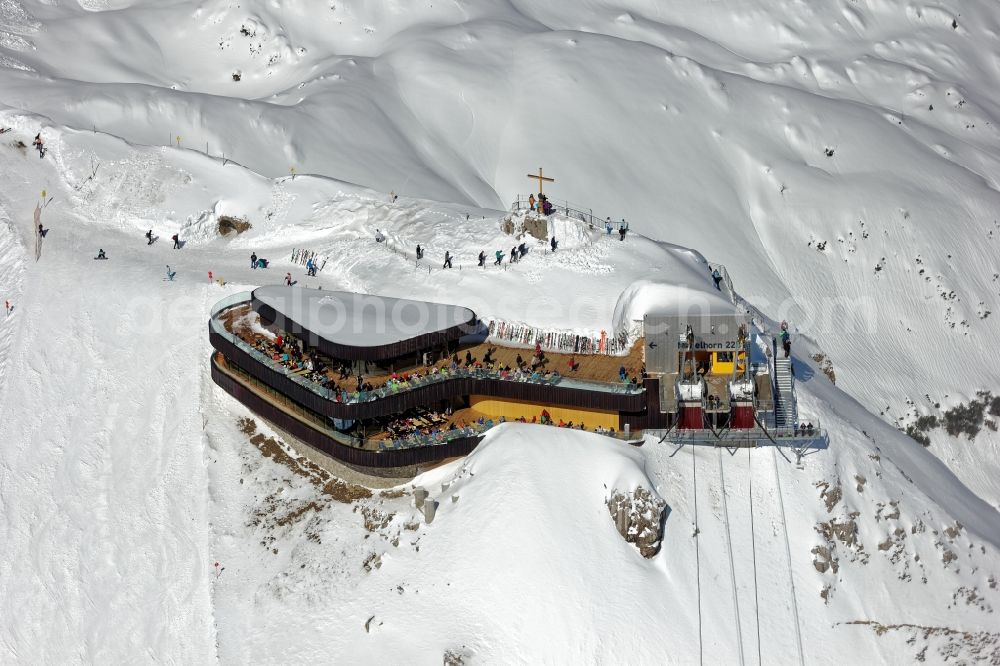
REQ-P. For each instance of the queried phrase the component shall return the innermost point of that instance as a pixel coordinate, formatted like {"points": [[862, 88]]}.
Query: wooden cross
{"points": [[540, 178]]}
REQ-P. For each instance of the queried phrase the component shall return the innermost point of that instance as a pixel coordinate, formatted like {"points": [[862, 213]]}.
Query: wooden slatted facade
{"points": [[359, 458]]}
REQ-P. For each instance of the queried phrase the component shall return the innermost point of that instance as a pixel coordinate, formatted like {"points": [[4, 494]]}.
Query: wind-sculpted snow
{"points": [[839, 159]]}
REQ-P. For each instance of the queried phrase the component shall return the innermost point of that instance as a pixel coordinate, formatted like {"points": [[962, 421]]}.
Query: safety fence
{"points": [[582, 213]]}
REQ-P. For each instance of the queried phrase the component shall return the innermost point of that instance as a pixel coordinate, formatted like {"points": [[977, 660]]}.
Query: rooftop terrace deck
{"points": [[241, 321]]}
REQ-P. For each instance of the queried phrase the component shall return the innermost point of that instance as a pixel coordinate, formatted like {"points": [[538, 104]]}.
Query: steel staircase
{"points": [[785, 410]]}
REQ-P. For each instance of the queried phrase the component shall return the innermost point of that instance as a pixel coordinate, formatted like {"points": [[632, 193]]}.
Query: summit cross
{"points": [[541, 178]]}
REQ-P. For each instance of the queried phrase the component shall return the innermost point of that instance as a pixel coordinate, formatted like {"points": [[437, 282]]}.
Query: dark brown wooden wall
{"points": [[355, 457], [650, 417]]}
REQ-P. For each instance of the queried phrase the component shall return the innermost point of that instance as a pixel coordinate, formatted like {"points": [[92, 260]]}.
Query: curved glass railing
{"points": [[394, 387]]}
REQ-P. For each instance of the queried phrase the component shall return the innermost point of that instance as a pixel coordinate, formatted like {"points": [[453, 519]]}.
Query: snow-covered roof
{"points": [[361, 320], [648, 297]]}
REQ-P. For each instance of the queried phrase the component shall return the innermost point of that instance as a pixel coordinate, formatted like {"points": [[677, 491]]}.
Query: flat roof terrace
{"points": [[352, 326], [589, 368]]}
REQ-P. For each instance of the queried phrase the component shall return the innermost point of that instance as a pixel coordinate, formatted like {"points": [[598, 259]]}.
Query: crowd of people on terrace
{"points": [[345, 387], [429, 429]]}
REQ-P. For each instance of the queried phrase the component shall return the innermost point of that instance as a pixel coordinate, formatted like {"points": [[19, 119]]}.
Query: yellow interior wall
{"points": [[726, 367], [717, 367], [515, 409]]}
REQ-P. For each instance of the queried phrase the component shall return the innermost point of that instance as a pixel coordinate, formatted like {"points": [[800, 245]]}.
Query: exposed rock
{"points": [[639, 518], [373, 561], [831, 495], [824, 560]]}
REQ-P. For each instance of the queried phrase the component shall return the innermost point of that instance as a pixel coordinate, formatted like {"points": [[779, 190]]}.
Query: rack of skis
{"points": [[618, 344], [302, 257]]}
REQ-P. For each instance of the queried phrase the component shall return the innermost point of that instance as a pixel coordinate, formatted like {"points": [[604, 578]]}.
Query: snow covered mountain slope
{"points": [[839, 158], [126, 476]]}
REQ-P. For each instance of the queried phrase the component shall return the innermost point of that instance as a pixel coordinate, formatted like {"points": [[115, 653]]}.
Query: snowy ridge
{"points": [[839, 160]]}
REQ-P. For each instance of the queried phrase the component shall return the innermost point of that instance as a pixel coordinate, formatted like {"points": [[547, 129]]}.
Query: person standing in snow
{"points": [[499, 258], [531, 201], [420, 252], [447, 259], [554, 243], [176, 238], [482, 258], [253, 261], [379, 236], [7, 306], [717, 276], [608, 226], [288, 279], [786, 342], [513, 255], [622, 230], [149, 237]]}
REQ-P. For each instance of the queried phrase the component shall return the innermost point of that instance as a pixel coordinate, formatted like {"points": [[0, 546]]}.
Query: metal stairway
{"points": [[785, 409]]}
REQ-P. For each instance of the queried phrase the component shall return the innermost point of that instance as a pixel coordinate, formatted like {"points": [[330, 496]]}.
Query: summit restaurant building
{"points": [[381, 382]]}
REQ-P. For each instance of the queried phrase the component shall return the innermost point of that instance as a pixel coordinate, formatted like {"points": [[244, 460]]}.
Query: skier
{"points": [[288, 279], [41, 232], [608, 226], [786, 342], [513, 255], [310, 268], [482, 258], [8, 307], [170, 274], [100, 254], [554, 243], [149, 237], [38, 143], [717, 276], [622, 230], [499, 258], [253, 260], [420, 252], [177, 241], [447, 259]]}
